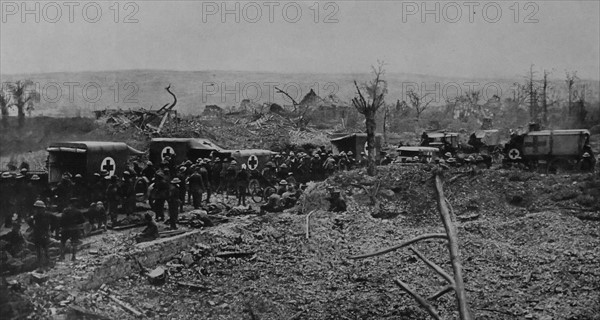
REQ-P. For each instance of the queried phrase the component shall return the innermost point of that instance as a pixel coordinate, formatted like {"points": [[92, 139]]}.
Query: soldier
{"points": [[127, 194], [182, 186], [196, 184], [273, 204], [21, 196], [329, 165], [351, 160], [98, 188], [64, 191], [160, 194], [386, 160], [71, 221], [113, 198], [216, 169], [174, 199], [291, 180], [150, 232], [343, 162], [336, 203], [242, 180], [80, 190], [451, 162], [97, 214], [587, 162], [282, 187], [149, 171], [268, 173], [283, 171], [230, 175], [41, 221], [6, 197], [206, 173], [289, 197]]}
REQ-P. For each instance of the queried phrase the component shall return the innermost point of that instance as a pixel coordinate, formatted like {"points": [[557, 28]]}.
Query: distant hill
{"points": [[80, 93]]}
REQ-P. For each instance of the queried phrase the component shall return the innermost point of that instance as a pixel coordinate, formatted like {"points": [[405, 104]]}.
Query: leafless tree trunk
{"points": [[376, 91]]}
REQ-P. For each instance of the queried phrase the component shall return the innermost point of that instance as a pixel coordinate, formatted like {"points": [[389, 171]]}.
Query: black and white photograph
{"points": [[300, 160]]}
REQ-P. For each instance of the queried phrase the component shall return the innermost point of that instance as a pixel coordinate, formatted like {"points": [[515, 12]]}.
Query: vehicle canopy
{"points": [[556, 142], [183, 149], [406, 154], [440, 139], [357, 143], [87, 158], [254, 159], [486, 137]]}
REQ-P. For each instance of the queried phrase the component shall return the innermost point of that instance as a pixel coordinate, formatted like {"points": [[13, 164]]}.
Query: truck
{"points": [[556, 150]]}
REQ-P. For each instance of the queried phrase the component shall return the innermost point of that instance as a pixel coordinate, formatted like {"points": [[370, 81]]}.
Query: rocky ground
{"points": [[529, 246]]}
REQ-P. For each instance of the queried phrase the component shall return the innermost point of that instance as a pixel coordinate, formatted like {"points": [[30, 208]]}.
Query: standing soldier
{"points": [[196, 183], [41, 221], [127, 194], [149, 171], [98, 188], [6, 196], [64, 191], [174, 199], [71, 221], [216, 169], [80, 190], [182, 186], [242, 180], [113, 199], [160, 196], [205, 172], [230, 175]]}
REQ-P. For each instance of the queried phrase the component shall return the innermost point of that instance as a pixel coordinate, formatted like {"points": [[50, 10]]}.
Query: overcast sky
{"points": [[185, 35]]}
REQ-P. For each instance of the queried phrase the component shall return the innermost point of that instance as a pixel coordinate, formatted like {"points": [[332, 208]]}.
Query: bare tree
{"points": [[532, 91], [418, 103], [22, 95], [4, 105], [571, 77], [376, 90], [545, 98]]}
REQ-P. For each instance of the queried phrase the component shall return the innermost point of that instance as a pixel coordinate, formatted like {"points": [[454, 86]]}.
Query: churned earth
{"points": [[529, 247]]}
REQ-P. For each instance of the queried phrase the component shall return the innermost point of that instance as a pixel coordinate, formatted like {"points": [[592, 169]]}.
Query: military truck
{"points": [[181, 149], [444, 141], [555, 150], [87, 158]]}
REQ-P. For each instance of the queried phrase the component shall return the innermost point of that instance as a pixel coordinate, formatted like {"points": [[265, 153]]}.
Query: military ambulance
{"points": [[87, 158], [557, 150], [181, 148]]}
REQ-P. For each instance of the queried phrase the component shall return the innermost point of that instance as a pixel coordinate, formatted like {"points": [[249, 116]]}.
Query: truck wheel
{"points": [[255, 190]]}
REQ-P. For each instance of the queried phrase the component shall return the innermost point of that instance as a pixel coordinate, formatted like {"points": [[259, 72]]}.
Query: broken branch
{"points": [[419, 299], [308, 224], [461, 295], [433, 266], [440, 293], [125, 306], [401, 245]]}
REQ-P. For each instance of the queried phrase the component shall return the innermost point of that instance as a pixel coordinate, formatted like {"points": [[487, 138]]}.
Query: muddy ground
{"points": [[529, 246]]}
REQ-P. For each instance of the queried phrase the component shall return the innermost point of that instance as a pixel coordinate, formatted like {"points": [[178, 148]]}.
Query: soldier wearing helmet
{"points": [[41, 220], [71, 223], [242, 180]]}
